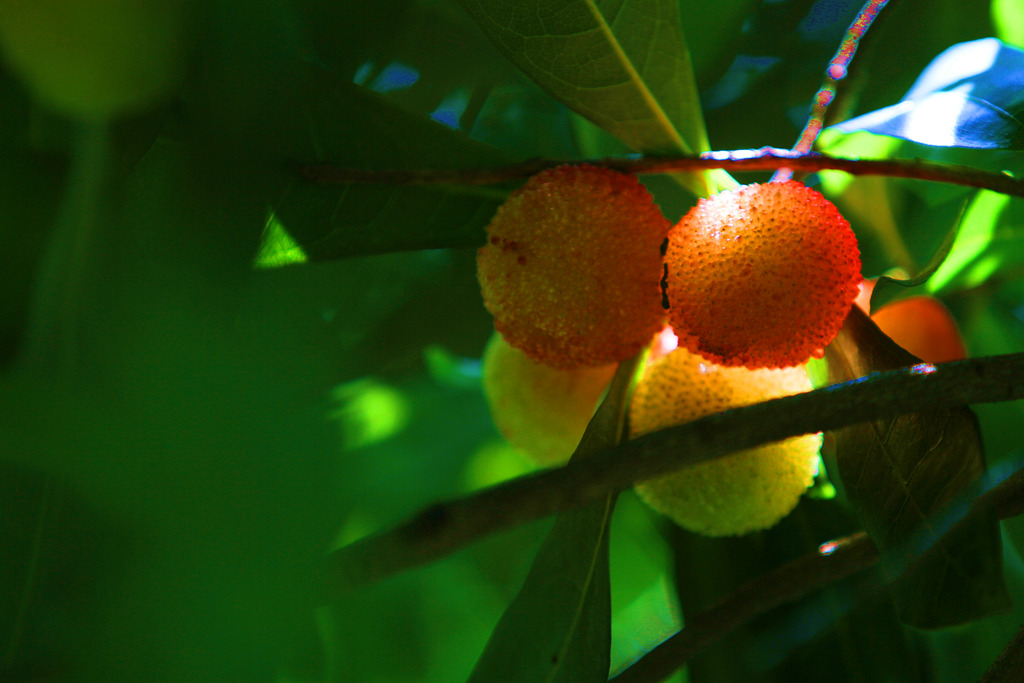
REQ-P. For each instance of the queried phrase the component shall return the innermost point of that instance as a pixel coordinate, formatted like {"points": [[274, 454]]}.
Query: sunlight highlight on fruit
{"points": [[572, 267], [762, 276], [740, 493], [541, 410]]}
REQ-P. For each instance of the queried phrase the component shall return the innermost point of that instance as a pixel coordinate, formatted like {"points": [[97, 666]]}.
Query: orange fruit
{"points": [[762, 276], [923, 326], [572, 267]]}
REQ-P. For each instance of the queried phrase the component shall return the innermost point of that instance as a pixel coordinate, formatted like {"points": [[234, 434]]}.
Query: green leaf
{"points": [[889, 289], [558, 628], [317, 117], [623, 64], [906, 479], [987, 243], [713, 29]]}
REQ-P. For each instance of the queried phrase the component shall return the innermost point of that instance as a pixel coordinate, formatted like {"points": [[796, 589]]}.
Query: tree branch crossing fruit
{"points": [[737, 494], [758, 280]]}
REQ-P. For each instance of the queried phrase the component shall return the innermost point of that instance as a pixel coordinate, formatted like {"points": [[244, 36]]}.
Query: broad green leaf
{"points": [[318, 118], [623, 64], [906, 479], [558, 628], [983, 245], [645, 609]]}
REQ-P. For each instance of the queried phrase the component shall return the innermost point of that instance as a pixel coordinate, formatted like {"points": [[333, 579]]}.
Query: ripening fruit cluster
{"points": [[576, 267]]}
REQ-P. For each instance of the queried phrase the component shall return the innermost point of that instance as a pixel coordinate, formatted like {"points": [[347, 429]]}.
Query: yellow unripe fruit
{"points": [[742, 492], [541, 410], [96, 59]]}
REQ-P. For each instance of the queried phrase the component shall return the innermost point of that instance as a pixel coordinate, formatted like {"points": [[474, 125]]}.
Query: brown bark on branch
{"points": [[801, 577], [445, 527], [764, 159]]}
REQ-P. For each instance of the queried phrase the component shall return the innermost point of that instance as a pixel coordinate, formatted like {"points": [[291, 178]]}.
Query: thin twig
{"points": [[445, 527], [764, 159], [836, 71], [832, 562], [782, 585]]}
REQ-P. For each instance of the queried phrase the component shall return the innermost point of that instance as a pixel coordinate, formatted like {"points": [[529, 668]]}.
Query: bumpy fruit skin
{"points": [[95, 59], [922, 326], [740, 493], [572, 267], [761, 276], [541, 410]]}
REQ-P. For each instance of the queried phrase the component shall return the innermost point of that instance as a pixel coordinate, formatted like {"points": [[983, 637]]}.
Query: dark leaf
{"points": [[623, 65], [889, 289], [558, 628], [713, 29], [322, 118], [789, 642], [971, 95], [907, 478]]}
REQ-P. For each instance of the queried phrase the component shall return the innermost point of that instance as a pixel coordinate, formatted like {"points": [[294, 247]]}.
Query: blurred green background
{"points": [[214, 372]]}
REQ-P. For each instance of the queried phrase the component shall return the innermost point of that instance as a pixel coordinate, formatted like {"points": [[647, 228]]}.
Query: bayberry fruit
{"points": [[741, 492], [762, 276], [572, 267]]}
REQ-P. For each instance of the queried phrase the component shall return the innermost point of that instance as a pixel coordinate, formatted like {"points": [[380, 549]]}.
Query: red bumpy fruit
{"points": [[761, 276], [572, 267]]}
